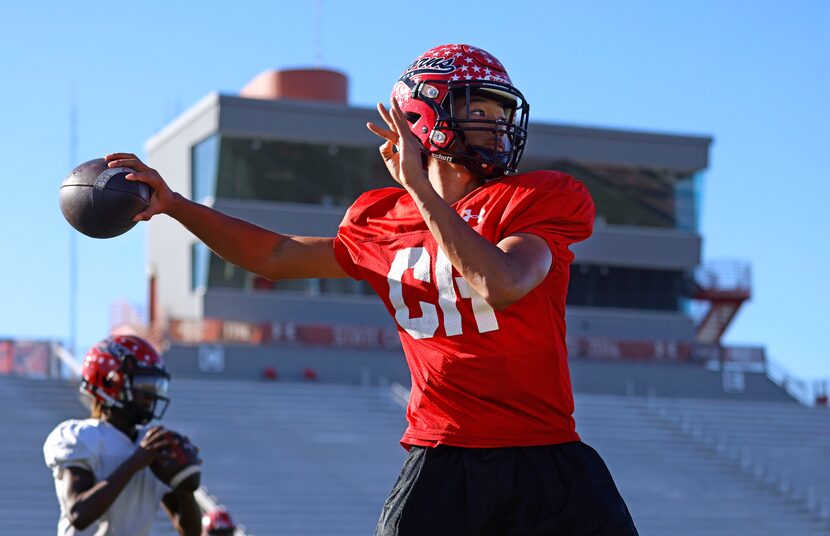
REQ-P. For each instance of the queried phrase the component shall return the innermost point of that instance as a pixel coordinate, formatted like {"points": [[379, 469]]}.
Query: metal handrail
{"points": [[763, 474], [399, 394], [67, 359], [208, 503], [797, 388], [724, 275]]}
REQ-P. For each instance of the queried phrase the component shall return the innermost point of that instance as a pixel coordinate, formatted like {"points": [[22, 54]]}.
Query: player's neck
{"points": [[450, 181], [122, 424]]}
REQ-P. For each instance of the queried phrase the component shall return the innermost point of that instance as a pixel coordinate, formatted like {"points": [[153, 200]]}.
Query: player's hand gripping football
{"points": [[151, 446], [161, 197], [405, 165]]}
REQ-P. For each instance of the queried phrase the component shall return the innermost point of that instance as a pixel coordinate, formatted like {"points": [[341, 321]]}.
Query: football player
{"points": [[101, 464], [472, 261]]}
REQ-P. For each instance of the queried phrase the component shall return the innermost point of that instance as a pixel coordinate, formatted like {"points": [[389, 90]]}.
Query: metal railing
{"points": [[724, 275], [62, 355], [797, 388], [208, 503], [762, 473], [399, 394]]}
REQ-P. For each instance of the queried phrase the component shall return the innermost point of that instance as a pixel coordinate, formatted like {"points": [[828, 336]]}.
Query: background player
{"points": [[101, 464], [473, 265], [218, 522]]}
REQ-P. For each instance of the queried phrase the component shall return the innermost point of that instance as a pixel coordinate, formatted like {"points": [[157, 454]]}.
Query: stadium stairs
{"points": [[29, 409], [782, 447], [298, 459], [319, 459], [675, 485]]}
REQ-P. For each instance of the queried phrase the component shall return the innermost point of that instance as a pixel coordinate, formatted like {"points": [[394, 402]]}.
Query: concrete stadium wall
{"points": [[350, 366], [667, 381], [330, 365]]}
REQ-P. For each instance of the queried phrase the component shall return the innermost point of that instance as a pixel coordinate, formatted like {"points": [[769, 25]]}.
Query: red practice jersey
{"points": [[480, 377]]}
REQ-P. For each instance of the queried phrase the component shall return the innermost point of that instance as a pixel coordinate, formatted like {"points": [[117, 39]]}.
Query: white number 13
{"points": [[424, 327]]}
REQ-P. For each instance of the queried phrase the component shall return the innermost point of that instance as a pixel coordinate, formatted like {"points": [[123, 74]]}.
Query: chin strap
{"points": [[471, 159], [136, 415], [94, 392]]}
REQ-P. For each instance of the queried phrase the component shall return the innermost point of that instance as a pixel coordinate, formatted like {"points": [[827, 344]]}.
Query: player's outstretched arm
{"points": [[258, 250], [86, 500], [500, 273]]}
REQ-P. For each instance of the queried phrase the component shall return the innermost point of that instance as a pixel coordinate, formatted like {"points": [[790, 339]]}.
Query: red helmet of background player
{"points": [[427, 93], [217, 521], [119, 366]]}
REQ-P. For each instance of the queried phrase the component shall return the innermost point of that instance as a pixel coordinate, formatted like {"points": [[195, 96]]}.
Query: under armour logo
{"points": [[468, 215]]}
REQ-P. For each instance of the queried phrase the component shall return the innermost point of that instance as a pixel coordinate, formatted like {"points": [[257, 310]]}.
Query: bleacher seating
{"points": [[782, 446], [675, 486], [319, 459], [29, 409], [293, 459]]}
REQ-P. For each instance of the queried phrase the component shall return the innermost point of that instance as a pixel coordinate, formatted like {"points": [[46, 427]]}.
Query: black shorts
{"points": [[555, 490]]}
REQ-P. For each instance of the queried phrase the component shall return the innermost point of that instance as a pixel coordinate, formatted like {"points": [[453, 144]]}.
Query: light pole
{"points": [[73, 235]]}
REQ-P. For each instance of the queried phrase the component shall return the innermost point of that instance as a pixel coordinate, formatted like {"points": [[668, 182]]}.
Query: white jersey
{"points": [[100, 448]]}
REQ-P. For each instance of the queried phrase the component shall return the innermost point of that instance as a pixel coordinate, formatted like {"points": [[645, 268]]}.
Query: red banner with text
{"points": [[215, 331]]}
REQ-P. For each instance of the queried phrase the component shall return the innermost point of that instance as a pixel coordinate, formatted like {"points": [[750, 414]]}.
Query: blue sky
{"points": [[752, 74]]}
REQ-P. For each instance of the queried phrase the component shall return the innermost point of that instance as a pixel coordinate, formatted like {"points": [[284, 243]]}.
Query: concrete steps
{"points": [[319, 459]]}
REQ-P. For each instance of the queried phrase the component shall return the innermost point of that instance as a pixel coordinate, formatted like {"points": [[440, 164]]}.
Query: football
{"points": [[178, 467], [99, 202]]}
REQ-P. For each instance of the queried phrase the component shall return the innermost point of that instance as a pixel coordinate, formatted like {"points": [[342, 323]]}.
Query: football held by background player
{"points": [[472, 261], [101, 465]]}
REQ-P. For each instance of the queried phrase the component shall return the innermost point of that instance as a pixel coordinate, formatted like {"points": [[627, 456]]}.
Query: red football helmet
{"points": [[429, 93], [217, 522], [126, 372]]}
